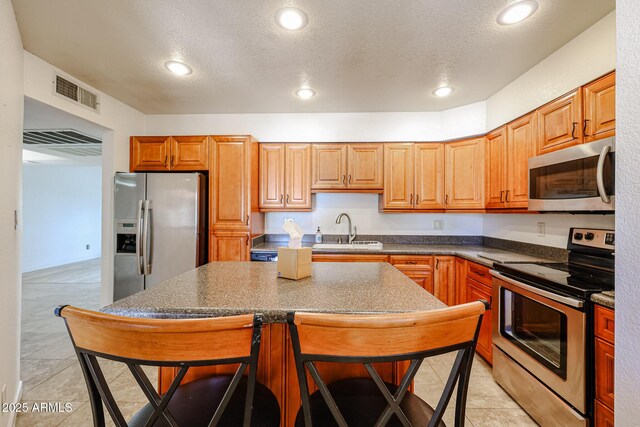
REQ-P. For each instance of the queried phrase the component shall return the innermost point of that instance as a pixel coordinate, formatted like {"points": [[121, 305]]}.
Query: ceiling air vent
{"points": [[65, 141], [73, 92]]}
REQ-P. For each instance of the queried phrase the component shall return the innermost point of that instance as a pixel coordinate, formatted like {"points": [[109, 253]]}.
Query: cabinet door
{"points": [[605, 363], [227, 246], [600, 108], [230, 183], [328, 166], [417, 268], [603, 416], [398, 176], [297, 176], [560, 123], [520, 147], [444, 279], [189, 153], [429, 176], [496, 171], [477, 291], [461, 281], [365, 169], [464, 169], [272, 176], [149, 153]]}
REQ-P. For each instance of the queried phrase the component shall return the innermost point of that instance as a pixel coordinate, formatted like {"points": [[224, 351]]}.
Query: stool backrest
{"points": [[367, 339], [180, 343]]}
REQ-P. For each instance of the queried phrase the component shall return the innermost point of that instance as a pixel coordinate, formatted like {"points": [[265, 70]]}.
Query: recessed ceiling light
{"points": [[443, 91], [178, 68], [517, 12], [291, 18], [305, 93]]}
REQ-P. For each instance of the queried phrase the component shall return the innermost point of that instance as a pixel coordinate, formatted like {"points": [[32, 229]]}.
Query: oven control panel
{"points": [[593, 238]]}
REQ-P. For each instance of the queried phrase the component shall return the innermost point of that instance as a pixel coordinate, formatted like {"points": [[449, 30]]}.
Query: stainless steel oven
{"points": [[575, 179]]}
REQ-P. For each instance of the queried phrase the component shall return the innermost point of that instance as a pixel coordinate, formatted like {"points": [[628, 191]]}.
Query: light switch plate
{"points": [[438, 224], [541, 229]]}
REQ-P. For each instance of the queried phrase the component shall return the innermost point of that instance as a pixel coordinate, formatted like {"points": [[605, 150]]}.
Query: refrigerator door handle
{"points": [[139, 236], [146, 239]]}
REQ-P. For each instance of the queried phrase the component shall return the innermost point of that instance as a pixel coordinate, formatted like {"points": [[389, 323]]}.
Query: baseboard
{"points": [[16, 400]]}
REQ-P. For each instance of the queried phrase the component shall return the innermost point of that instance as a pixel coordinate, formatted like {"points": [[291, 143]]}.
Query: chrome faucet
{"points": [[352, 236]]}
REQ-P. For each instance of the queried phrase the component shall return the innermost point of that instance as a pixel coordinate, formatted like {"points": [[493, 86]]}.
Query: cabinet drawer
{"points": [[348, 258], [604, 372], [411, 262], [604, 323], [604, 416], [479, 272]]}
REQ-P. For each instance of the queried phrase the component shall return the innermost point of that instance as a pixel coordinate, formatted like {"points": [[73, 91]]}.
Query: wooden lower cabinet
{"points": [[348, 258], [276, 370], [604, 365], [461, 281], [417, 268], [444, 279], [477, 291], [229, 246]]}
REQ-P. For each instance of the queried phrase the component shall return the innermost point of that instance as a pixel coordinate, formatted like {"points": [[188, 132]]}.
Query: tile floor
{"points": [[51, 373]]}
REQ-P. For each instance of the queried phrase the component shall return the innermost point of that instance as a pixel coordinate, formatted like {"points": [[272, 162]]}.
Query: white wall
{"points": [[627, 369], [524, 228], [62, 209], [363, 209], [121, 121], [11, 108], [584, 58]]}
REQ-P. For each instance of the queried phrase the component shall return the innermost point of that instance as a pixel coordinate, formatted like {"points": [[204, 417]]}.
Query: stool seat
{"points": [[194, 403], [361, 403]]}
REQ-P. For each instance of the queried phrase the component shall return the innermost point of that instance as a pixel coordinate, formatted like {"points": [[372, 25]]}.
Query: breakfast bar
{"points": [[231, 288]]}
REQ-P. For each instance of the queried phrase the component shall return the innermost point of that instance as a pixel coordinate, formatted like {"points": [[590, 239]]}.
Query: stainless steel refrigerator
{"points": [[160, 228]]}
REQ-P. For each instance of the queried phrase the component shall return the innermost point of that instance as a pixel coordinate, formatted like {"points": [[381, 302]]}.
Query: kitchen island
{"points": [[230, 288]]}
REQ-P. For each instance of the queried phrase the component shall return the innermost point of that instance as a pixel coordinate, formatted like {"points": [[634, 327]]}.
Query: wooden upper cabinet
{"points": [[398, 176], [600, 108], [464, 168], [150, 153], [189, 153], [429, 176], [297, 176], [272, 168], [230, 180], [521, 137], [365, 166], [560, 123], [328, 166], [496, 176]]}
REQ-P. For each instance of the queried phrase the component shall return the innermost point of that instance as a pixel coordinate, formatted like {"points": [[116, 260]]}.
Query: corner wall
{"points": [[11, 113]]}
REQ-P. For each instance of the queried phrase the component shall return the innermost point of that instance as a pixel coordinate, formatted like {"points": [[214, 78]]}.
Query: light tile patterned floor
{"points": [[51, 373]]}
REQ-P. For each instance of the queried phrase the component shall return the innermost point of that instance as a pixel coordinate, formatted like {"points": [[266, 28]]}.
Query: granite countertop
{"points": [[476, 253], [230, 288], [606, 299]]}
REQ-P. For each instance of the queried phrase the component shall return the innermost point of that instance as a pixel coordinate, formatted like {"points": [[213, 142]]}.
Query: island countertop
{"points": [[230, 288]]}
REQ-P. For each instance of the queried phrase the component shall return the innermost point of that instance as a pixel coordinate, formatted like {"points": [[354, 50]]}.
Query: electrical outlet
{"points": [[438, 224], [4, 395], [88, 246], [541, 229], [287, 220]]}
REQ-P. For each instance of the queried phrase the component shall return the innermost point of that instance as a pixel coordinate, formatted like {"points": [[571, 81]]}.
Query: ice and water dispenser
{"points": [[126, 236]]}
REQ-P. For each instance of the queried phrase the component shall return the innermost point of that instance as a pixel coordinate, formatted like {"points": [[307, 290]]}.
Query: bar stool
{"points": [[225, 400], [367, 339]]}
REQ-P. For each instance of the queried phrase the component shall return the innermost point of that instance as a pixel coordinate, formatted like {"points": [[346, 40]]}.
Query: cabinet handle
{"points": [[411, 262], [172, 160], [287, 198], [446, 199], [573, 130], [349, 178], [437, 264], [417, 198], [166, 159], [281, 198], [501, 196], [344, 179], [490, 302], [584, 128], [506, 199], [411, 200], [248, 217]]}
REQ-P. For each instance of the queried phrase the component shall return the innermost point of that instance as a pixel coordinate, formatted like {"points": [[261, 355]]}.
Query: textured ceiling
{"points": [[359, 55]]}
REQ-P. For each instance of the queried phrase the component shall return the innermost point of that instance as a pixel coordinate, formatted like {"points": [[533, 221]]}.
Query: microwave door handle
{"points": [[139, 235], [600, 174]]}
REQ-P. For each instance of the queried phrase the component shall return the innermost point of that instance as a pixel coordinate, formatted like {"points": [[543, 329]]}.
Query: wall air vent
{"points": [[75, 93]]}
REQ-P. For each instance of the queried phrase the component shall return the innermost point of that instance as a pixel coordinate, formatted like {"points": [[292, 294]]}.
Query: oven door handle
{"points": [[600, 174], [555, 297]]}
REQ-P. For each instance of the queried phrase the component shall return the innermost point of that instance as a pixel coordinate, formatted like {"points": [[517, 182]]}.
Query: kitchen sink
{"points": [[366, 245]]}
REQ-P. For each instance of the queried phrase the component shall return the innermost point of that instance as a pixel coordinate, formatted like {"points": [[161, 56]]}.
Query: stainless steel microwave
{"points": [[575, 179]]}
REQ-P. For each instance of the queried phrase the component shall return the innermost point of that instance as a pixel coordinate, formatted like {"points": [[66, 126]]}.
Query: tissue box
{"points": [[294, 263]]}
